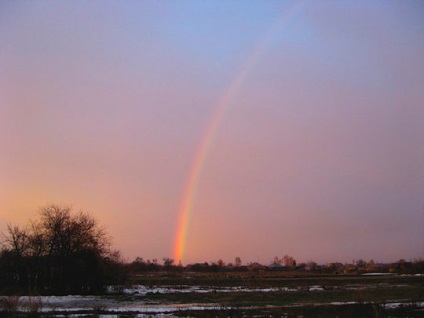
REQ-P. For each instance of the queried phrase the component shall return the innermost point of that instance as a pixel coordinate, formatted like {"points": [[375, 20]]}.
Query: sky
{"points": [[251, 128]]}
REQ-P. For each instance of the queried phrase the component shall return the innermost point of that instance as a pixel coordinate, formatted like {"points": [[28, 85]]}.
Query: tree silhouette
{"points": [[59, 253], [237, 261]]}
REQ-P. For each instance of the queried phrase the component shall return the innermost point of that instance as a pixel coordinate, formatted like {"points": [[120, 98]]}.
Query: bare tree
{"points": [[17, 240], [288, 261], [221, 263], [237, 261], [371, 264], [60, 252], [168, 262], [64, 234]]}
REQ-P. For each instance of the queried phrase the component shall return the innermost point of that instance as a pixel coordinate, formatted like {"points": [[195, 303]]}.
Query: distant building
{"points": [[276, 267], [256, 267], [350, 268]]}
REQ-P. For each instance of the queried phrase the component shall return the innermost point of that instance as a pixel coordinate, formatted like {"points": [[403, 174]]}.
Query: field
{"points": [[239, 294]]}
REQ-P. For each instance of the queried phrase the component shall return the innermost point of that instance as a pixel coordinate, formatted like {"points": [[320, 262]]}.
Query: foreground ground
{"points": [[240, 294]]}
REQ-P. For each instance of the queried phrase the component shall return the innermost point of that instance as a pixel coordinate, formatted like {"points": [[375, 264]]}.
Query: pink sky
{"points": [[319, 154]]}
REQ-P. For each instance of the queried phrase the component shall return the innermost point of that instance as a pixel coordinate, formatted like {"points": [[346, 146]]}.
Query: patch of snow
{"points": [[339, 303], [144, 290], [419, 304], [378, 274]]}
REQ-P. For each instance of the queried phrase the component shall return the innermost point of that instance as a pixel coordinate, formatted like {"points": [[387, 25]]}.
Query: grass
{"points": [[267, 279], [337, 288], [278, 298], [367, 293]]}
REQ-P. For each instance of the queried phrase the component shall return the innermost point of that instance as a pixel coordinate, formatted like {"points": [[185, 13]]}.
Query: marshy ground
{"points": [[239, 294]]}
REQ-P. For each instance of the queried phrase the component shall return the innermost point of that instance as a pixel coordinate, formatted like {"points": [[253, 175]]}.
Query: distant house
{"points": [[256, 267], [276, 267], [350, 268]]}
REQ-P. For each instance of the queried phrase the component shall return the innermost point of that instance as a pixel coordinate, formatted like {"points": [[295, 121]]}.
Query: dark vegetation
{"points": [[288, 288], [69, 253], [340, 296], [139, 265], [62, 253], [363, 294], [59, 253]]}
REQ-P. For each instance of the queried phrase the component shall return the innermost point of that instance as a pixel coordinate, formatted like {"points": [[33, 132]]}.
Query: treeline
{"points": [[69, 253], [287, 263], [59, 253]]}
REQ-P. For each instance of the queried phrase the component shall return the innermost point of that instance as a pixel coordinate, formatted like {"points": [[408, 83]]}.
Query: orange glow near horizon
{"points": [[203, 130]]}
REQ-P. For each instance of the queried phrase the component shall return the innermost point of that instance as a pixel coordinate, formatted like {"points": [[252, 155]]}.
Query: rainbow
{"points": [[221, 108]]}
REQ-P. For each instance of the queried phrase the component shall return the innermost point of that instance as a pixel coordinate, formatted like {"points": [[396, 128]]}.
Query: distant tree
{"points": [[360, 263], [152, 265], [17, 240], [288, 261], [311, 266], [302, 266], [403, 267], [418, 265], [168, 262], [237, 261], [138, 265], [221, 263], [139, 260]]}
